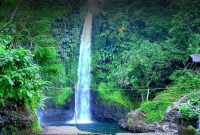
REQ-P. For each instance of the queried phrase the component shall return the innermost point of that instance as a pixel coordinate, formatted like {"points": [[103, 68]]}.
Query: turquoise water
{"points": [[95, 127], [101, 127]]}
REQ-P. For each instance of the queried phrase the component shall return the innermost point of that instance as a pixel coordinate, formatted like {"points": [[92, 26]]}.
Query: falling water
{"points": [[82, 113], [82, 95]]}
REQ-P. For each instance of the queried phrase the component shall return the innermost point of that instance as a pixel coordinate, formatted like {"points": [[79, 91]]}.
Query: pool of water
{"points": [[95, 127]]}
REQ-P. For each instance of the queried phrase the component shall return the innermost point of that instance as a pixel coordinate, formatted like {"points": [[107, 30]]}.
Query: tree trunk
{"points": [[148, 92], [142, 97]]}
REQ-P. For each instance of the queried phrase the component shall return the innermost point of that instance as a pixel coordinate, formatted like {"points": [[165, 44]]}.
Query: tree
{"points": [[142, 67]]}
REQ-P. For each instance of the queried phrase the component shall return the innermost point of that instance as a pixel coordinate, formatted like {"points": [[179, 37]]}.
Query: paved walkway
{"points": [[62, 130], [71, 130]]}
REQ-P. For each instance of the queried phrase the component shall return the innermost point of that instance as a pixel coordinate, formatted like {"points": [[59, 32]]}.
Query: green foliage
{"points": [[32, 28], [154, 110], [194, 99], [63, 96], [183, 82], [5, 39], [55, 68], [45, 40], [53, 71], [197, 133], [20, 79], [142, 66], [187, 112], [108, 92], [35, 127], [136, 46], [190, 130], [2, 48], [194, 46], [129, 46], [185, 25], [21, 84], [140, 45], [45, 55]]}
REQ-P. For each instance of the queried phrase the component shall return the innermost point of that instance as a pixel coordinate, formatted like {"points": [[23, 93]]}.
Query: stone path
{"points": [[71, 130], [62, 130]]}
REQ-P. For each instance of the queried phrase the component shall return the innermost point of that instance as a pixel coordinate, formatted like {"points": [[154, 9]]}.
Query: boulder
{"points": [[135, 122], [16, 119], [172, 114], [52, 113]]}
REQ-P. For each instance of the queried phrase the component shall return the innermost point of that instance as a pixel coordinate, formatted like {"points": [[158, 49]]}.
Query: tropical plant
{"points": [[20, 79], [187, 112]]}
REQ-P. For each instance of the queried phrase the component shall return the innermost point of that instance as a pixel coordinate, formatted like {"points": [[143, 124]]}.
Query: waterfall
{"points": [[82, 113], [82, 95]]}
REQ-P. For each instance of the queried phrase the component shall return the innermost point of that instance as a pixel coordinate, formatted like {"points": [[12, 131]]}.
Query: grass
{"points": [[110, 93], [184, 82]]}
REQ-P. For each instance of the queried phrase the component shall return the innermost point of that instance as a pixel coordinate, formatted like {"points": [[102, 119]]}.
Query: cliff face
{"points": [[100, 110], [103, 111], [14, 121]]}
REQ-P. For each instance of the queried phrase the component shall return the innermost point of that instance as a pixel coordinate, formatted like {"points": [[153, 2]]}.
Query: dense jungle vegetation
{"points": [[140, 54]]}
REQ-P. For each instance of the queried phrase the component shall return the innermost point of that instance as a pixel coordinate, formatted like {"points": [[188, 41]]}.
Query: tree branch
{"points": [[12, 16]]}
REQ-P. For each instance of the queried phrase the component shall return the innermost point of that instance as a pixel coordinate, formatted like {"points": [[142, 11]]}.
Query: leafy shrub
{"points": [[63, 96], [45, 55], [187, 112], [153, 109], [19, 78]]}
